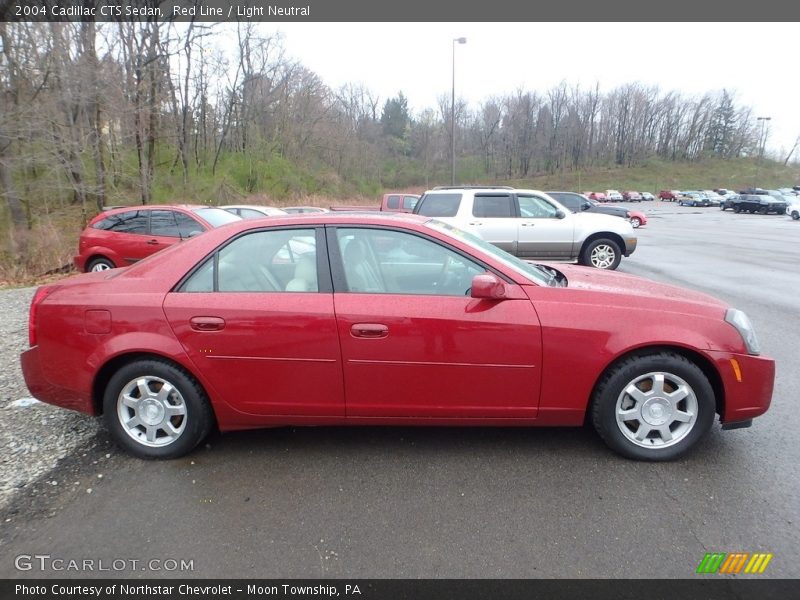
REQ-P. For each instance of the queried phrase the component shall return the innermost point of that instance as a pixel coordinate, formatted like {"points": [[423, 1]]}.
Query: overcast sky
{"points": [[757, 61]]}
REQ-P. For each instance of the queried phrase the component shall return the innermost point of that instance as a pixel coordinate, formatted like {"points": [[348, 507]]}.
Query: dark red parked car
{"points": [[121, 236], [394, 320], [598, 196], [669, 195]]}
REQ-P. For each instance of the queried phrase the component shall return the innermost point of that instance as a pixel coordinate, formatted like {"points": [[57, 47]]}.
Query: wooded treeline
{"points": [[93, 114]]}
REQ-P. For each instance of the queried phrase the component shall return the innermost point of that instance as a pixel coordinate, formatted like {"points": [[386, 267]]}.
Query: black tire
{"points": [[101, 263], [675, 369], [187, 429], [599, 252], [722, 207], [763, 210], [737, 209], [795, 215]]}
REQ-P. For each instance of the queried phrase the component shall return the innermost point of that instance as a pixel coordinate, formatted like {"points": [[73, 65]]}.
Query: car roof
{"points": [[335, 218], [117, 209], [251, 206]]}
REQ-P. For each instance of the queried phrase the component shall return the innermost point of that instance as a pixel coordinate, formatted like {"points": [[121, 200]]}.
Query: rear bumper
{"points": [[748, 383], [41, 389]]}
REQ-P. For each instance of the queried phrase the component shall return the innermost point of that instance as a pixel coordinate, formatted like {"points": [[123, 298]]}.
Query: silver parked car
{"points": [[531, 224]]}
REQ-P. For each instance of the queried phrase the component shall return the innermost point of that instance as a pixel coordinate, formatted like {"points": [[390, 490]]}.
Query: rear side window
{"points": [[130, 221], [493, 206], [393, 202], [438, 205]]}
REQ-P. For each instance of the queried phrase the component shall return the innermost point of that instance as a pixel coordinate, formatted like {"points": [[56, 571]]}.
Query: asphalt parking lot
{"points": [[447, 502]]}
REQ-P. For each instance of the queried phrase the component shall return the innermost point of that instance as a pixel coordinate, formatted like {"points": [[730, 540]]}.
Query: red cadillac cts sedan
{"points": [[361, 319]]}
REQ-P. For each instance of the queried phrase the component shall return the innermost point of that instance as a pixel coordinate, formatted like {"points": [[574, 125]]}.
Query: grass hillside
{"points": [[57, 223]]}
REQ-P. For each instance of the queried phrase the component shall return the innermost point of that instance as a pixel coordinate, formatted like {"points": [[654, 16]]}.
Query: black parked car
{"points": [[579, 203], [758, 203]]}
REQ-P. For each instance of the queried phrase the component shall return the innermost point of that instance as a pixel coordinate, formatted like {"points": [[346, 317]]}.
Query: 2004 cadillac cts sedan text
{"points": [[396, 320]]}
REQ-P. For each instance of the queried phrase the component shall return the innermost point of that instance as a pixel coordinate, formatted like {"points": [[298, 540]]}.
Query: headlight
{"points": [[745, 328]]}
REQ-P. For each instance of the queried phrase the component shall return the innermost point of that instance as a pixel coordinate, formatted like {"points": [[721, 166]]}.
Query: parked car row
{"points": [[616, 196], [579, 203], [123, 235]]}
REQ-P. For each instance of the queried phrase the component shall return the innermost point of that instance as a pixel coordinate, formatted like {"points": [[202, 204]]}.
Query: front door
{"points": [[415, 344], [541, 233]]}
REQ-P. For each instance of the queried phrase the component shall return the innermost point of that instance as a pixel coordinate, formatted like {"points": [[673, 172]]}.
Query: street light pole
{"points": [[763, 140], [461, 40]]}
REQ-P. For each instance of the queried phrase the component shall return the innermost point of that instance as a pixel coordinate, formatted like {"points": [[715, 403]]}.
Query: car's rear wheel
{"points": [[763, 210], [100, 263], [653, 406], [737, 209], [154, 409], [601, 254], [636, 222], [795, 215]]}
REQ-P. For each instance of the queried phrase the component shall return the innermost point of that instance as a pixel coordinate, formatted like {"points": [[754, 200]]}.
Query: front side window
{"points": [[380, 261], [536, 208], [262, 261], [163, 223]]}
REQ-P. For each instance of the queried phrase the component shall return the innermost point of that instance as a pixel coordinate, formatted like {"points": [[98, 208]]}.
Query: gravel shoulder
{"points": [[34, 437]]}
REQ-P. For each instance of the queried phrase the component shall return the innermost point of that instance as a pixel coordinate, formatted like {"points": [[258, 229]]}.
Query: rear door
{"points": [[257, 319], [494, 218]]}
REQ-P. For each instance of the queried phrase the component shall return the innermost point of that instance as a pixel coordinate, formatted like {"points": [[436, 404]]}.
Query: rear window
{"points": [[438, 205], [216, 216]]}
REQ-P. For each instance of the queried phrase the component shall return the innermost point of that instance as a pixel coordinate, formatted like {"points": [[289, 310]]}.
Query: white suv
{"points": [[531, 224]]}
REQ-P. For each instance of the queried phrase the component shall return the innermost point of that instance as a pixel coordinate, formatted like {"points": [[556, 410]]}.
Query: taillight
{"points": [[42, 293]]}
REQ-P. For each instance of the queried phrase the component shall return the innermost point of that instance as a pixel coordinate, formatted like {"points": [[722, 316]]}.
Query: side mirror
{"points": [[560, 214], [488, 286]]}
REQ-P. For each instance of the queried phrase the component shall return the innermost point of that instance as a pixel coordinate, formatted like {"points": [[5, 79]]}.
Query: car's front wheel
{"points": [[653, 406], [602, 253], [636, 222], [154, 409]]}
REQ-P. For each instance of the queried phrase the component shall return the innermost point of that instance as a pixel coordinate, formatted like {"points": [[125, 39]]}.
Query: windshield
{"points": [[529, 270], [216, 216]]}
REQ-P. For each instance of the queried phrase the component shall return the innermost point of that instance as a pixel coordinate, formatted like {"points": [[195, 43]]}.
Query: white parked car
{"points": [[531, 224], [793, 208], [253, 211], [614, 195]]}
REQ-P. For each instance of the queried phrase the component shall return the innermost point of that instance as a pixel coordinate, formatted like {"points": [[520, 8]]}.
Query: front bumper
{"points": [[630, 245], [748, 383]]}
